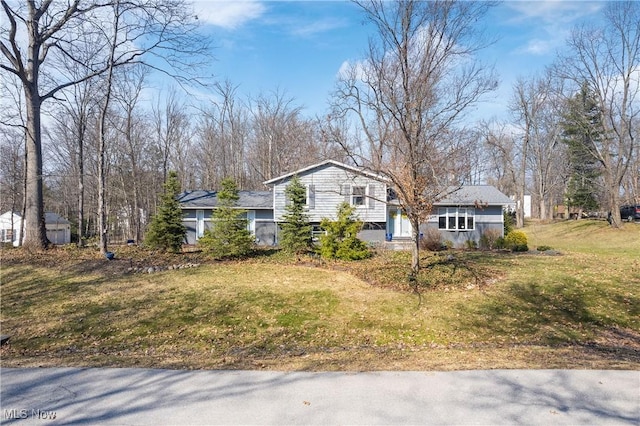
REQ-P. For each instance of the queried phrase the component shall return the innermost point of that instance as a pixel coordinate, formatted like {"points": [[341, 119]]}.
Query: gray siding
{"points": [[372, 235], [328, 184], [459, 238], [490, 214], [265, 228], [486, 218]]}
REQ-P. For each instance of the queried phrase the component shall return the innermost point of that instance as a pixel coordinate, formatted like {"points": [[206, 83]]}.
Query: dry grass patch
{"points": [[580, 309]]}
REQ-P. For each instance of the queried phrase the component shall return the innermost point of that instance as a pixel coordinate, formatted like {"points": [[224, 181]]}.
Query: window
{"points": [[311, 197], [199, 223], [456, 218], [316, 231], [6, 235], [358, 195]]}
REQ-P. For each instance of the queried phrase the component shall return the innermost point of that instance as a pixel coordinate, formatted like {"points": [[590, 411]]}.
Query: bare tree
{"points": [[419, 77], [77, 105], [127, 94], [523, 106], [503, 153], [11, 169], [51, 32], [606, 59], [171, 130], [13, 130], [223, 136], [283, 140], [536, 106]]}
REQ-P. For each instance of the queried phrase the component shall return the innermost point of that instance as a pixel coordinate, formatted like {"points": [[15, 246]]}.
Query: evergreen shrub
{"points": [[516, 241], [340, 240]]}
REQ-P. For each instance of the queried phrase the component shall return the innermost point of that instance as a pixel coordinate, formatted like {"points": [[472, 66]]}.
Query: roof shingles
{"points": [[201, 199]]}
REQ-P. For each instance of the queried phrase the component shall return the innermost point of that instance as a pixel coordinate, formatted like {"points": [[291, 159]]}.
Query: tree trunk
{"points": [[102, 183], [613, 199], [81, 185], [102, 144], [35, 237], [522, 184], [23, 210], [415, 246]]}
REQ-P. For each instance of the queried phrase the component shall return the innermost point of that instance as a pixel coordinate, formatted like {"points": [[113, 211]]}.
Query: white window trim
{"points": [[363, 196], [251, 221], [200, 227], [310, 201], [455, 213]]}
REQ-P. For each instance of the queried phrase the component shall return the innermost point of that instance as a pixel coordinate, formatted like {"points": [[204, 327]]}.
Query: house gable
{"points": [[330, 183]]}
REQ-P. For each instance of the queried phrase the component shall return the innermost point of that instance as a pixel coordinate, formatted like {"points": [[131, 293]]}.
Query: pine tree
{"points": [[295, 235], [229, 236], [166, 230], [581, 132], [341, 239]]}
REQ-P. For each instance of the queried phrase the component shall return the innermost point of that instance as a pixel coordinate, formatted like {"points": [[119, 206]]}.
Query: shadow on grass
{"points": [[558, 315], [25, 287]]}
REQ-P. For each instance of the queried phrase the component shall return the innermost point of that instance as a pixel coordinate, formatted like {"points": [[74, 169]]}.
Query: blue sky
{"points": [[298, 47]]}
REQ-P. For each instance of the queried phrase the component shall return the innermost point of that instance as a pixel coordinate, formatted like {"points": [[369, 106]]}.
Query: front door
{"points": [[400, 225]]}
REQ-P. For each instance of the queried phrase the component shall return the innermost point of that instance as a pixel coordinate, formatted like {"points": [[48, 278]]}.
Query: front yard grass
{"points": [[579, 308]]}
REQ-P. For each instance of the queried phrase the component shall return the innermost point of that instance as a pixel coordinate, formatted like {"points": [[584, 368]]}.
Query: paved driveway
{"points": [[159, 397]]}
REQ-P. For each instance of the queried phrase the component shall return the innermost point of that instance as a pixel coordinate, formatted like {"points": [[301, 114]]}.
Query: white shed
{"points": [[10, 228], [58, 228]]}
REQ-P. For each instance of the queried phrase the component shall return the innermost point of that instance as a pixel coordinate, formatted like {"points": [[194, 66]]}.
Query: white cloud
{"points": [[552, 12], [316, 27], [344, 70], [539, 47], [550, 20], [356, 70], [228, 14]]}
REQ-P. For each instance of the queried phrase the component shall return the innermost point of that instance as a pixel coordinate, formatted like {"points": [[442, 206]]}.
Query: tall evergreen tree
{"points": [[581, 133], [166, 231], [229, 236], [295, 236]]}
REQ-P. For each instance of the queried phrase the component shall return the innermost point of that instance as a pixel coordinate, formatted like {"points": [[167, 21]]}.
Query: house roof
{"points": [[322, 164], [51, 218], [476, 194], [201, 199]]}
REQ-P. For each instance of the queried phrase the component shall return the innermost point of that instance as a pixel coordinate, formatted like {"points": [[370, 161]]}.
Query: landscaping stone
{"points": [[154, 269]]}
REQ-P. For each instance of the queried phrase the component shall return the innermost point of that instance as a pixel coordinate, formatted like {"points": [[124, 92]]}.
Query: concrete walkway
{"points": [[163, 397]]}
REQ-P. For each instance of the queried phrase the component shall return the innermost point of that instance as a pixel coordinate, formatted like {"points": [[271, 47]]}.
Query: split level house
{"points": [[465, 214]]}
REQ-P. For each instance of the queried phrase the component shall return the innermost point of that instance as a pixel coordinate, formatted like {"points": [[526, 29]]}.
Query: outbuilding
{"points": [[58, 228]]}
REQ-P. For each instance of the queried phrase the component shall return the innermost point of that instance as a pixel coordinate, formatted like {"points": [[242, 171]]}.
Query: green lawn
{"points": [[576, 308]]}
